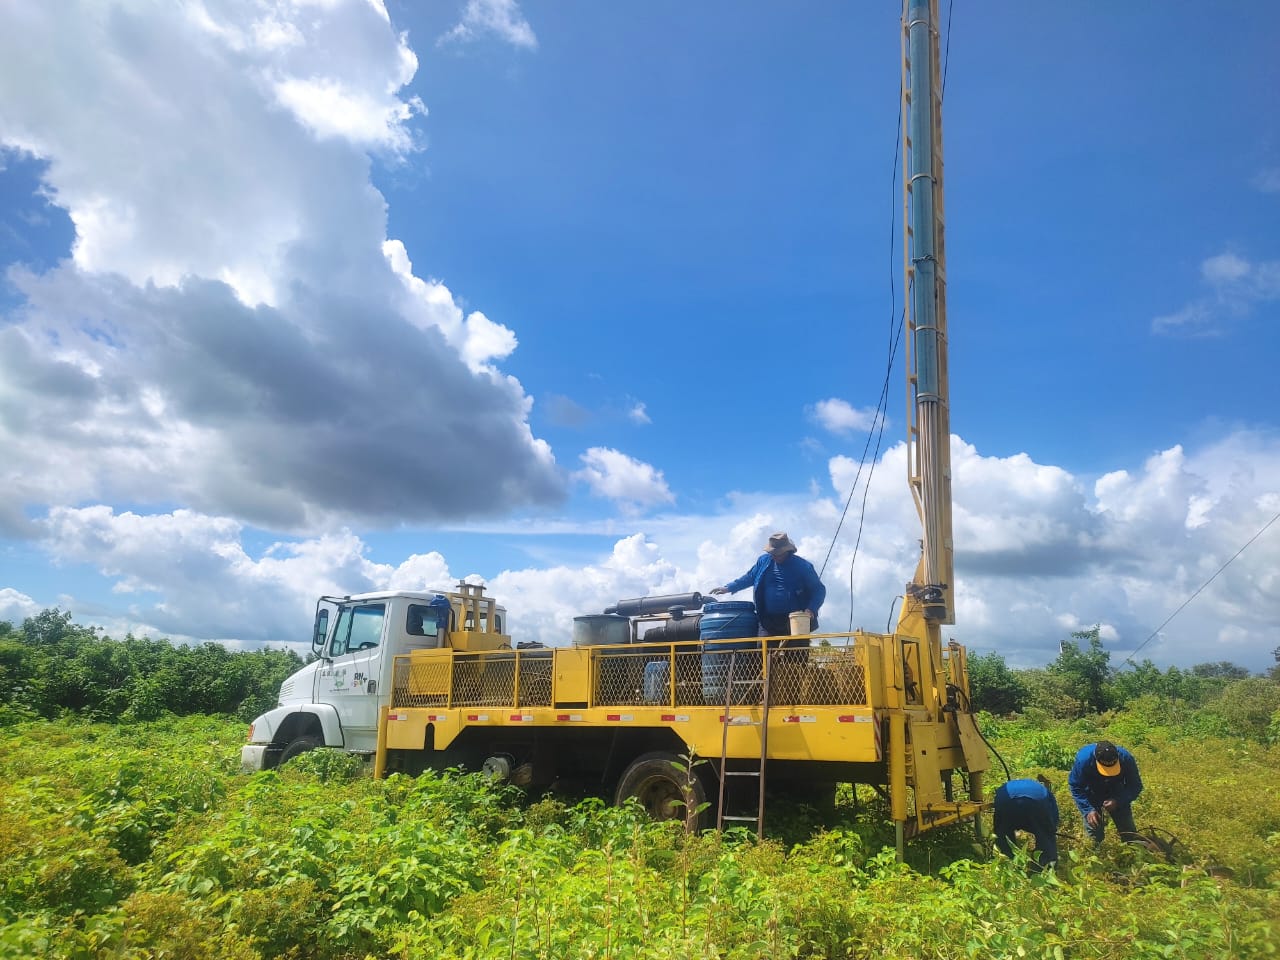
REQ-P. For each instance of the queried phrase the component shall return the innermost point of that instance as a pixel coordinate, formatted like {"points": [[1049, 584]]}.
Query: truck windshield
{"points": [[359, 628]]}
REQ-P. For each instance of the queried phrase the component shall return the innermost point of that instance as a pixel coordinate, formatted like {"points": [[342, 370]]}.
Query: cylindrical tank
{"points": [[725, 626], [600, 628], [674, 631], [646, 606]]}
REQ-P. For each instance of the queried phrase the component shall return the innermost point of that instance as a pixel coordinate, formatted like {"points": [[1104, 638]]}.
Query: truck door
{"points": [[349, 681]]}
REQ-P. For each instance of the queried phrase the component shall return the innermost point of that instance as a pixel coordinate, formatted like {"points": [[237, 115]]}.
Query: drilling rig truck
{"points": [[674, 700]]}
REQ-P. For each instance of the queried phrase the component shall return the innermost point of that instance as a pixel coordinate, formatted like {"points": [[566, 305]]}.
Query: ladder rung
{"points": [[742, 773], [742, 819]]}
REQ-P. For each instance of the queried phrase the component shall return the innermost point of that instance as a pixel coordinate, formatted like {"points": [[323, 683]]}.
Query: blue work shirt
{"points": [[1030, 790], [782, 588], [1089, 788]]}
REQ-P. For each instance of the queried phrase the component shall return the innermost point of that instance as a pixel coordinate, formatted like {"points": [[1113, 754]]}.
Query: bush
{"points": [[1247, 706]]}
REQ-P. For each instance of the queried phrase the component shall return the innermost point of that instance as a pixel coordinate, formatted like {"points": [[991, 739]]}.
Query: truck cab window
{"points": [[421, 621], [359, 628]]}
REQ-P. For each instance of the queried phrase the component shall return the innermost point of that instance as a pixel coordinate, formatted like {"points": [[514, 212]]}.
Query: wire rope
{"points": [[1200, 589]]}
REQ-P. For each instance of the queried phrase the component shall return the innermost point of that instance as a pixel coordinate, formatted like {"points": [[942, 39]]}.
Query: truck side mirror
{"points": [[321, 632]]}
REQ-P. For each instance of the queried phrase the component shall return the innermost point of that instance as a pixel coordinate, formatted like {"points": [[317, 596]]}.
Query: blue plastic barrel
{"points": [[725, 627], [657, 682]]}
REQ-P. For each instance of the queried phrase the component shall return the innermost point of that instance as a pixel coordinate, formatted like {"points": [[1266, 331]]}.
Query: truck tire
{"points": [[298, 746], [659, 784]]}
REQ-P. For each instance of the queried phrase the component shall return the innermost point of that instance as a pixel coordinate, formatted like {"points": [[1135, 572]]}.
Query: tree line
{"points": [[51, 666], [1083, 681]]}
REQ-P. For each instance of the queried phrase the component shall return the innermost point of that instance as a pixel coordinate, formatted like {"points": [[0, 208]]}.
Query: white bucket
{"points": [[801, 623]]}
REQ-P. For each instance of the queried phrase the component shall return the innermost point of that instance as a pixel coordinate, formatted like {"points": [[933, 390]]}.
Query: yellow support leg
{"points": [[380, 758]]}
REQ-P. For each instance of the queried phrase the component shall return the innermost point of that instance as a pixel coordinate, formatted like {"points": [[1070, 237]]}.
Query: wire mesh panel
{"points": [[420, 683], [819, 675], [622, 676], [484, 680], [534, 675]]}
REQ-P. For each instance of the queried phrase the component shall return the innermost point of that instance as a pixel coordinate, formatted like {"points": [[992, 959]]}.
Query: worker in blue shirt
{"points": [[1031, 806], [784, 584], [1104, 780]]}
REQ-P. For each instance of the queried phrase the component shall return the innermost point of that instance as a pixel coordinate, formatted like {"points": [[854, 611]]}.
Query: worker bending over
{"points": [[1104, 780], [1031, 806]]}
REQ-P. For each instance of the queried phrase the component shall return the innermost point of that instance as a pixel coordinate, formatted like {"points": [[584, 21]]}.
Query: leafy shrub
{"points": [[1247, 706], [1047, 750], [329, 765]]}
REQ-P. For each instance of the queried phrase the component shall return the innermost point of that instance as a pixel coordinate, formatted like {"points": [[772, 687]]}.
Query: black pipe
{"points": [[647, 606]]}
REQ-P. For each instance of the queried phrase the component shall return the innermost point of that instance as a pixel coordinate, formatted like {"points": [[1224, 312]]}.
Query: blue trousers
{"points": [[1122, 814], [1025, 813]]}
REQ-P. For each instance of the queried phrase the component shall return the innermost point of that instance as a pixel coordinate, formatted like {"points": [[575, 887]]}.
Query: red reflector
{"points": [[473, 716], [668, 718], [562, 717], [847, 719], [613, 716], [790, 719]]}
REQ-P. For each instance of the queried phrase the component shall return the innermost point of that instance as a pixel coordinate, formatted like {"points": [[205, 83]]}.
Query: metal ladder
{"points": [[730, 719]]}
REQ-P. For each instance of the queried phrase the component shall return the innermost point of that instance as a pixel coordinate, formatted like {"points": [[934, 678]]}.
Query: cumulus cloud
{"points": [[498, 18], [234, 330], [1237, 286], [186, 574], [839, 416], [16, 606], [1135, 544], [632, 483]]}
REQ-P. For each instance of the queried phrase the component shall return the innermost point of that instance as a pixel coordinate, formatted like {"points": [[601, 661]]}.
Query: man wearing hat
{"points": [[1104, 780], [784, 584]]}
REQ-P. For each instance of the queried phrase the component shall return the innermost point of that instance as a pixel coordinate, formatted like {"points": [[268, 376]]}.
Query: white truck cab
{"points": [[334, 700]]}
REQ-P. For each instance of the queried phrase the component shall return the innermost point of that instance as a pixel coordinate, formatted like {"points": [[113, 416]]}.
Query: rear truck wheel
{"points": [[298, 746], [660, 781]]}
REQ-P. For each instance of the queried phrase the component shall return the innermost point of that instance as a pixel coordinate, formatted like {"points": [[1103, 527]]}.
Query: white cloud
{"points": [[500, 18], [188, 575], [15, 606], [838, 416], [234, 331], [1225, 268], [1039, 553], [638, 414], [631, 483], [430, 304], [329, 109], [1238, 286]]}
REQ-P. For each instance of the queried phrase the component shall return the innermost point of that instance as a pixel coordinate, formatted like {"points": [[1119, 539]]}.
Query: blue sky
{"points": [[586, 299]]}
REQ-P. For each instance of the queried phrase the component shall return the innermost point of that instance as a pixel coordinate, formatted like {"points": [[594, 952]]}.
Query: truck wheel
{"points": [[295, 747], [659, 784]]}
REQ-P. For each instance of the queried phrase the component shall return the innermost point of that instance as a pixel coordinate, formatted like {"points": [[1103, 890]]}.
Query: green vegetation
{"points": [[142, 840], [50, 665]]}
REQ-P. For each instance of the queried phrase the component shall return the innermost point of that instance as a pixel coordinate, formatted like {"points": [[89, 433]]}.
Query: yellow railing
{"points": [[831, 672]]}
